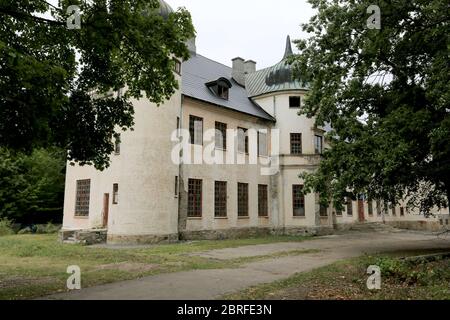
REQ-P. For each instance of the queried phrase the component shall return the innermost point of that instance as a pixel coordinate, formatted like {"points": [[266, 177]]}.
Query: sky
{"points": [[250, 29]]}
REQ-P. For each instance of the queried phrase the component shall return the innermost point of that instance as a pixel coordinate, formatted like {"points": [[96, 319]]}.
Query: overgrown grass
{"points": [[346, 280], [35, 265]]}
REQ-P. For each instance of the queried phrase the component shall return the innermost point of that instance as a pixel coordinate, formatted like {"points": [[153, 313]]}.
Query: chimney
{"points": [[192, 46], [250, 66], [238, 72]]}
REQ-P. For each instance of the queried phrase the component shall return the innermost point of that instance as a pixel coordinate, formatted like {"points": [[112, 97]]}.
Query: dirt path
{"points": [[212, 284]]}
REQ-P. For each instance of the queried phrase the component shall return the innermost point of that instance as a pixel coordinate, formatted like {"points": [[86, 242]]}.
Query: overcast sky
{"points": [[251, 29]]}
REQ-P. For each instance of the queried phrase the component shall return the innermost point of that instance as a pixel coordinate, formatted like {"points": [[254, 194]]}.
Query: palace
{"points": [[147, 197]]}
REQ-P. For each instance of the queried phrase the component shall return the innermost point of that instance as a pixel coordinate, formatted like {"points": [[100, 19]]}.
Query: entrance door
{"points": [[361, 211], [105, 210]]}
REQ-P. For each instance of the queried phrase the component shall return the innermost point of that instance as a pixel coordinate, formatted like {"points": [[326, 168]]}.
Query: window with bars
{"points": [[194, 198], [177, 66], [370, 203], [394, 212], [295, 102], [296, 143], [243, 140], [298, 201], [263, 205], [349, 206], [318, 144], [196, 130], [242, 199], [262, 144], [115, 193], [323, 212], [402, 211], [220, 199], [339, 212], [82, 198], [378, 207], [117, 145], [221, 136]]}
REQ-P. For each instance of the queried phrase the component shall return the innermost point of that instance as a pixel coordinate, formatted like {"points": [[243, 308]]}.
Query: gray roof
{"points": [[199, 70]]}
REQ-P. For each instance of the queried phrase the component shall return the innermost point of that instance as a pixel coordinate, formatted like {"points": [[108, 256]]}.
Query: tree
{"points": [[32, 186], [48, 73], [385, 92]]}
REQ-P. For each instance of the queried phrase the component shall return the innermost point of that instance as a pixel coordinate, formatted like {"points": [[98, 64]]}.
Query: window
{"points": [[296, 143], [115, 193], [242, 199], [378, 207], [402, 211], [386, 208], [349, 207], [194, 198], [370, 203], [263, 205], [220, 199], [323, 211], [223, 92], [339, 212], [221, 136], [117, 145], [177, 66], [196, 130], [262, 144], [176, 186], [298, 201], [242, 140], [394, 213], [318, 144], [82, 198], [178, 126], [295, 102]]}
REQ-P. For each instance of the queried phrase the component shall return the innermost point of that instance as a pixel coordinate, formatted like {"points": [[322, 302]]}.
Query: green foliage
{"points": [[31, 185], [48, 228], [48, 72], [386, 95], [6, 228]]}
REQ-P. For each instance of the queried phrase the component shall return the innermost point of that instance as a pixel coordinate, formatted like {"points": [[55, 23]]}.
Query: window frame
{"points": [[263, 200], [296, 143], [220, 199], [192, 130], [222, 128], [242, 200], [82, 198], [316, 139], [265, 152], [298, 201], [177, 66], [117, 143], [243, 132], [195, 201], [115, 193], [291, 105], [349, 207]]}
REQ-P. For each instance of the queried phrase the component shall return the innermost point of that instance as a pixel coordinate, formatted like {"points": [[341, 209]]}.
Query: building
{"points": [[147, 197]]}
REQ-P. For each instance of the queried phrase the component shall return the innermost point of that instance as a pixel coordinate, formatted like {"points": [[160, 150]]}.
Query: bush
{"points": [[26, 230], [6, 227], [47, 228]]}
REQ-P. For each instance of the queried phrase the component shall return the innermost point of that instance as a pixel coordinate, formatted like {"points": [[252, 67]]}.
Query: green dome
{"points": [[164, 9]]}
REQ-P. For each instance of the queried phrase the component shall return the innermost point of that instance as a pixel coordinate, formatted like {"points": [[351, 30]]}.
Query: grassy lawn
{"points": [[346, 280], [35, 265]]}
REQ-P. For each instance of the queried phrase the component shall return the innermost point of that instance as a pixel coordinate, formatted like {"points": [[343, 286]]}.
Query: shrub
{"points": [[6, 227], [47, 228]]}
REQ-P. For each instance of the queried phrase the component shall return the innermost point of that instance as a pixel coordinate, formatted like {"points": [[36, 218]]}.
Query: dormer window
{"points": [[220, 88]]}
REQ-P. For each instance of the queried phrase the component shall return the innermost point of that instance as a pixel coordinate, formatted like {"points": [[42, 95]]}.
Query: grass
{"points": [[35, 265], [346, 280]]}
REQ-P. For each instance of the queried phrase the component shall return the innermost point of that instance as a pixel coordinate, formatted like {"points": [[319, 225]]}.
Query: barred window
{"points": [[262, 144], [296, 143], [242, 199], [196, 130], [323, 211], [394, 213], [263, 206], [220, 199], [221, 136], [82, 198], [243, 140], [115, 193], [298, 201], [402, 211], [370, 203], [349, 206], [194, 198], [378, 207], [318, 144]]}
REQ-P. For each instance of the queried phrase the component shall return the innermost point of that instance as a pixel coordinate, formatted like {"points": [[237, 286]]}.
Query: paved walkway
{"points": [[212, 284]]}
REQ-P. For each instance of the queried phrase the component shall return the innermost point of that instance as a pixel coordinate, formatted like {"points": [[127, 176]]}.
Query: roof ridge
{"points": [[217, 62]]}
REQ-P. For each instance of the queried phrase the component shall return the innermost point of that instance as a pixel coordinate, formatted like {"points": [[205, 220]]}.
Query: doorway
{"points": [[105, 210]]}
